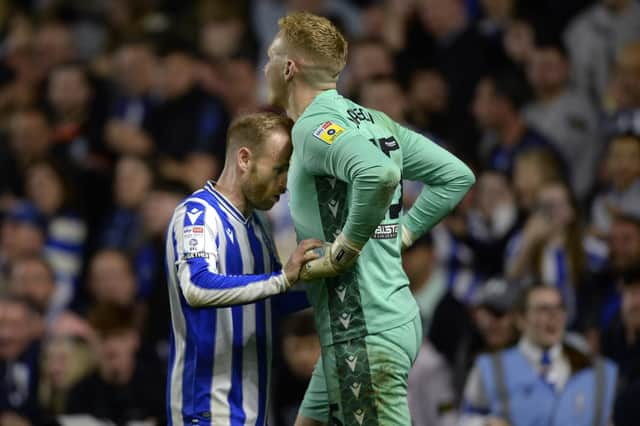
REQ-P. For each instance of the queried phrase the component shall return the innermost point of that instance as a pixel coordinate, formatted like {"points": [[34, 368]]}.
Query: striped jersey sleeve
{"points": [[196, 241]]}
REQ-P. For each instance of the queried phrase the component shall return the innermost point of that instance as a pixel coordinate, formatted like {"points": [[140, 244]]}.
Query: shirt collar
{"points": [[224, 202], [533, 353]]}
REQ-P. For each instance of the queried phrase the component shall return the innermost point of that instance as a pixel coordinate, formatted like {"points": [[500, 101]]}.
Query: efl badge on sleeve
{"points": [[328, 132]]}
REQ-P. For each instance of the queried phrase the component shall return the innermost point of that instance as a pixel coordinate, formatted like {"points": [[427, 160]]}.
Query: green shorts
{"points": [[364, 381]]}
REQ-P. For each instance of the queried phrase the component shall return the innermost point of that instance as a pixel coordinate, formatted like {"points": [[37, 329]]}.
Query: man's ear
{"points": [[290, 69], [244, 158]]}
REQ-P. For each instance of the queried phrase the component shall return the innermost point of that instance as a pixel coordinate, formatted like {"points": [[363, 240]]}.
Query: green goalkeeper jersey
{"points": [[345, 157]]}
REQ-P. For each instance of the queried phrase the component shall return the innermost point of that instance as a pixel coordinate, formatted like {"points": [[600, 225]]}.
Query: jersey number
{"points": [[387, 145]]}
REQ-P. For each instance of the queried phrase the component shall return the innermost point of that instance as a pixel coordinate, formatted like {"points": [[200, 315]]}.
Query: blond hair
{"points": [[316, 40], [252, 130]]}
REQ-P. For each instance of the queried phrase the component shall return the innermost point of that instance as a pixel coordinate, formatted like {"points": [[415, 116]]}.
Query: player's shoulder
{"points": [[322, 126]]}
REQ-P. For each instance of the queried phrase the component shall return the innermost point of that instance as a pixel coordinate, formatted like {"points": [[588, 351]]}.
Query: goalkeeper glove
{"points": [[334, 259]]}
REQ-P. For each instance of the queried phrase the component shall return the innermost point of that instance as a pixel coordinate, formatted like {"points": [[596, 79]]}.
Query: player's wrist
{"points": [[407, 237], [344, 252]]}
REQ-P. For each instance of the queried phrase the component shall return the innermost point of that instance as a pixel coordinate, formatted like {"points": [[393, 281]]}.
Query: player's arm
{"points": [[446, 180], [197, 270], [373, 176]]}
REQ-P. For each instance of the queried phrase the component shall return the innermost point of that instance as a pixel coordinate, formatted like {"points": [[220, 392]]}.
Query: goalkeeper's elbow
{"points": [[389, 176]]}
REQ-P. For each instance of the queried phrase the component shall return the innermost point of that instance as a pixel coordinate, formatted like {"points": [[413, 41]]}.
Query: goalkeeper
{"points": [[345, 185]]}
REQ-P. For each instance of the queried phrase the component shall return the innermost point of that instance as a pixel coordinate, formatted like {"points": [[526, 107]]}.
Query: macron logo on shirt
{"points": [[194, 214]]}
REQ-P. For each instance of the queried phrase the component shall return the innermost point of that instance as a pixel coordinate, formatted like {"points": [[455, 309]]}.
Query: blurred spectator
{"points": [[28, 141], [623, 174], [49, 186], [66, 360], [455, 254], [519, 42], [23, 233], [111, 278], [54, 46], [621, 340], [384, 94], [430, 391], [428, 103], [601, 300], [594, 37], [443, 37], [496, 108], [156, 212], [430, 388], [626, 81], [563, 384], [77, 123], [19, 352], [240, 88], [131, 112], [425, 279], [120, 388], [563, 115], [187, 121], [132, 180], [225, 32], [552, 248], [32, 278], [491, 222], [300, 352], [532, 170], [494, 326], [368, 58]]}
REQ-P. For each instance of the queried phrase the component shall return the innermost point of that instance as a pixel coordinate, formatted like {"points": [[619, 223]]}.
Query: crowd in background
{"points": [[111, 111]]}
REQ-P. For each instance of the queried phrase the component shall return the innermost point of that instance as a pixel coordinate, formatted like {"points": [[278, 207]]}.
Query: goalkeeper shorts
{"points": [[364, 381]]}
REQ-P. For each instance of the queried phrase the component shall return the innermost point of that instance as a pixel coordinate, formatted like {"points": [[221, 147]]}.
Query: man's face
{"points": [[624, 244], [111, 279], [548, 70], [19, 238], [385, 96], [628, 75], [32, 279], [497, 328], [484, 105], [545, 318], [369, 60], [29, 135], [116, 356], [274, 73], [69, 90], [267, 176], [631, 305], [15, 333], [623, 161]]}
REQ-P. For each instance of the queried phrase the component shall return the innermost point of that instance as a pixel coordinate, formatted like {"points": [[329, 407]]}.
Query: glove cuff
{"points": [[407, 237], [344, 253]]}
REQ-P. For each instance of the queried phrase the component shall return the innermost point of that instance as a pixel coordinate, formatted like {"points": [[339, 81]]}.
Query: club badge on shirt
{"points": [[328, 132]]}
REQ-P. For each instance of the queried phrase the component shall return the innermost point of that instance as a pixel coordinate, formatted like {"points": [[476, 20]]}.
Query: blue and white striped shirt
{"points": [[221, 267]]}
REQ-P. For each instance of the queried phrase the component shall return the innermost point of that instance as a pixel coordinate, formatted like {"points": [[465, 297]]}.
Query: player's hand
{"points": [[301, 255], [334, 258]]}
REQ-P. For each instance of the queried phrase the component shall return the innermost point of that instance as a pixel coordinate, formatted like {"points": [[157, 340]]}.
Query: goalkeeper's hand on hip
{"points": [[335, 258]]}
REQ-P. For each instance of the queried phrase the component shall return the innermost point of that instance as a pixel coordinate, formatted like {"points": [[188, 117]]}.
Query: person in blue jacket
{"points": [[542, 380]]}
